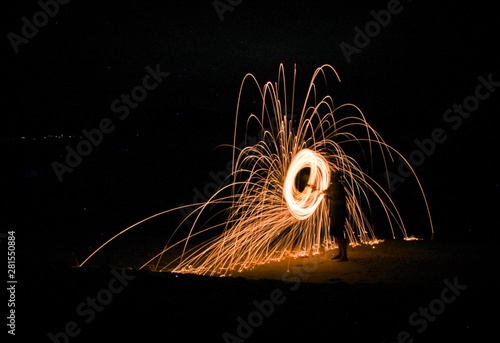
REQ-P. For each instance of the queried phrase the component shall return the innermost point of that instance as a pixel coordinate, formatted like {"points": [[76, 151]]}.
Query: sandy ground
{"points": [[419, 291], [390, 261]]}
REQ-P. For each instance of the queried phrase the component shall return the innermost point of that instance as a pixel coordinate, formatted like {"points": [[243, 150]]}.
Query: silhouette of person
{"points": [[336, 197]]}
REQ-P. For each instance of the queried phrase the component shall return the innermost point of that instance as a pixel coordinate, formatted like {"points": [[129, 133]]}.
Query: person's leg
{"points": [[343, 251], [334, 234], [339, 245]]}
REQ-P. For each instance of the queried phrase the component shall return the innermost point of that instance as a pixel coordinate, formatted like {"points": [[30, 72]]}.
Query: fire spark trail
{"points": [[273, 203]]}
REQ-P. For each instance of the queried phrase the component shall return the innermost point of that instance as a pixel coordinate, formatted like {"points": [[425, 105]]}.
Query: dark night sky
{"points": [[65, 78]]}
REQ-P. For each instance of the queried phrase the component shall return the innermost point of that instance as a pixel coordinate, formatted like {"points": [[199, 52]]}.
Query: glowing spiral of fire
{"points": [[303, 203]]}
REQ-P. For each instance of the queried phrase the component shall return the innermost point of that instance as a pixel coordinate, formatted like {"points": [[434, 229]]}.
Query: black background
{"points": [[64, 80]]}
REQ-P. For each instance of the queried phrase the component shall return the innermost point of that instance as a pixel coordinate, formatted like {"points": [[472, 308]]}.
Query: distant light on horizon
{"points": [[34, 138]]}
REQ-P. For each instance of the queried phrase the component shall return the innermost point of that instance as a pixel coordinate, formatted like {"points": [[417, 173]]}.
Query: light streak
{"points": [[273, 205], [303, 203]]}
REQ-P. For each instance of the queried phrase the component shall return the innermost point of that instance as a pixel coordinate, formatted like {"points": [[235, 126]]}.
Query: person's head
{"points": [[336, 176]]}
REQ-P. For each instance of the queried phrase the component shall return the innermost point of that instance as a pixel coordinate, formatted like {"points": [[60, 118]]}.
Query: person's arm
{"points": [[314, 189], [328, 192]]}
